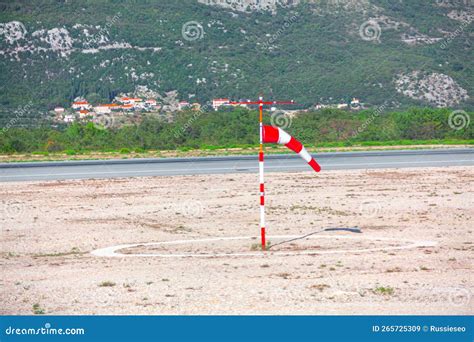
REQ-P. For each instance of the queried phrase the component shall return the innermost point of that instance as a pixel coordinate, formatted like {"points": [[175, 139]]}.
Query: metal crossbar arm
{"points": [[263, 102]]}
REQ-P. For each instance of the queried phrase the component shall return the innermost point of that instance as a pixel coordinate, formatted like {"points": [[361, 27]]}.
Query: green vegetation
{"points": [[384, 290], [258, 246], [317, 58], [74, 251], [238, 128], [320, 287], [107, 284], [38, 310]]}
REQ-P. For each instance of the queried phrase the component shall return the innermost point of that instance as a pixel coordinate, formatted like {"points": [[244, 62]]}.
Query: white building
{"points": [[183, 104], [355, 103], [150, 103], [135, 101], [102, 109], [59, 110], [216, 103], [81, 105], [84, 113]]}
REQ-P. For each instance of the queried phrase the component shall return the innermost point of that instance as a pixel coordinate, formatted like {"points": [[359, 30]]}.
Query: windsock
{"points": [[275, 135]]}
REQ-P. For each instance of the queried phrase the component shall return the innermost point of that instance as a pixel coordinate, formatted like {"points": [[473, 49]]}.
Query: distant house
{"points": [[216, 103], [113, 106], [341, 105], [83, 113], [81, 105], [183, 104], [196, 106], [240, 104], [127, 106], [355, 103], [107, 108], [131, 100], [102, 109], [59, 110], [150, 103]]}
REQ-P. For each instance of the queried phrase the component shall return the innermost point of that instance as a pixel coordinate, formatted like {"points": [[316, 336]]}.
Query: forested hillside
{"points": [[397, 53]]}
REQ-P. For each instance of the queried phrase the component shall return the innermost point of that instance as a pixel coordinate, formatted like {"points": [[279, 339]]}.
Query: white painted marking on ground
{"points": [[113, 251]]}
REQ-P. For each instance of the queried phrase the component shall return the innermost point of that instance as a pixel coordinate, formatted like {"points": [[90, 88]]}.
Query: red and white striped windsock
{"points": [[275, 135]]}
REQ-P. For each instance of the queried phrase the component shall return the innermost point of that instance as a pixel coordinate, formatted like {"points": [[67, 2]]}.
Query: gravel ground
{"points": [[49, 230]]}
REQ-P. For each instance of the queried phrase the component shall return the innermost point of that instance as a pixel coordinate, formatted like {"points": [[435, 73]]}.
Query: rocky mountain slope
{"points": [[395, 53]]}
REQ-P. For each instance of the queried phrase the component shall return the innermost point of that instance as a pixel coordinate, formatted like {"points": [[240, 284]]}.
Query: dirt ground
{"points": [[50, 229]]}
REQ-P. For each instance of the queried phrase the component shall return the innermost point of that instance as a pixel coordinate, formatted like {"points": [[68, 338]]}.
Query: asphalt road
{"points": [[214, 165]]}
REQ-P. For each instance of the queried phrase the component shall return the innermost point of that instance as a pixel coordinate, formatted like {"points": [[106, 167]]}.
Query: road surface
{"points": [[234, 164]]}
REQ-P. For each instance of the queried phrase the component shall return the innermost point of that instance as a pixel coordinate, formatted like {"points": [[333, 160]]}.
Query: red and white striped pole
{"points": [[261, 161], [270, 134]]}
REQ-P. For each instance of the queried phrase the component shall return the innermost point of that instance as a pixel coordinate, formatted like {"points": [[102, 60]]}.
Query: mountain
{"points": [[390, 53]]}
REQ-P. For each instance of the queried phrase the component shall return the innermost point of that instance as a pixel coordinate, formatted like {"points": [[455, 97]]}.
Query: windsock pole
{"points": [[260, 104], [262, 180]]}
